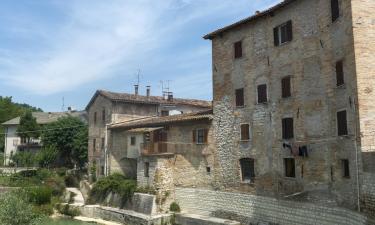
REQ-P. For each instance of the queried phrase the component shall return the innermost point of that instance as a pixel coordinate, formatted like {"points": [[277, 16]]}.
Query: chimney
{"points": [[170, 96], [257, 12], [136, 88], [148, 91]]}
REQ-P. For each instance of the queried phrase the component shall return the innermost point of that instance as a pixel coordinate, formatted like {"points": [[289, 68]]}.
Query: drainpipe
{"points": [[5, 146], [106, 167], [356, 158]]}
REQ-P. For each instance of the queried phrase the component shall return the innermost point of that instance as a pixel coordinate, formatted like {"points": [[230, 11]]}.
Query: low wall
{"points": [[368, 193], [251, 209]]}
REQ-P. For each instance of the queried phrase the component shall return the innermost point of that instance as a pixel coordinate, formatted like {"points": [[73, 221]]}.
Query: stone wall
{"points": [[255, 209], [368, 193]]}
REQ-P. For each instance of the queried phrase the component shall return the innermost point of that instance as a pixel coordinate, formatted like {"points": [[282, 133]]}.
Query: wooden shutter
{"points": [[238, 49], [194, 136], [262, 93], [289, 30], [335, 10], [285, 87], [339, 73], [276, 36], [239, 97], [245, 135], [205, 135], [342, 128], [287, 126]]}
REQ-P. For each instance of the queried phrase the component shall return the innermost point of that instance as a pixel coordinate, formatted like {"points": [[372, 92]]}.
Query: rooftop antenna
{"points": [[63, 104], [136, 86]]}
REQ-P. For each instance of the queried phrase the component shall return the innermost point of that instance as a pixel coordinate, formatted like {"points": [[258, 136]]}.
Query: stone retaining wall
{"points": [[251, 209], [368, 193]]}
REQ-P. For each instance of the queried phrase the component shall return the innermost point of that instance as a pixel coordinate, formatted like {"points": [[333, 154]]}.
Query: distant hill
{"points": [[9, 110]]}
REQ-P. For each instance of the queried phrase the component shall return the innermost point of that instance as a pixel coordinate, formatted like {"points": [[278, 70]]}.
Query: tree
{"points": [[28, 127], [68, 135], [26, 159], [47, 156]]}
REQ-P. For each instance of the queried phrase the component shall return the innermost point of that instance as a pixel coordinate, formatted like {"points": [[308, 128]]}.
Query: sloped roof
{"points": [[142, 99], [160, 121], [48, 117], [249, 19]]}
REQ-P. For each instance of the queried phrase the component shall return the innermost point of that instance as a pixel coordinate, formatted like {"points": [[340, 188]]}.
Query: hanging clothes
{"points": [[302, 150], [295, 150]]}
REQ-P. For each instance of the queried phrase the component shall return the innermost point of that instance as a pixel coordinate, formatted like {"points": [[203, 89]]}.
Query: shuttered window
{"points": [[335, 10], [238, 49], [286, 87], [287, 126], [94, 144], [247, 170], [342, 126], [245, 132], [290, 167], [283, 33], [239, 97], [262, 93], [345, 168], [132, 140], [200, 136], [339, 73]]}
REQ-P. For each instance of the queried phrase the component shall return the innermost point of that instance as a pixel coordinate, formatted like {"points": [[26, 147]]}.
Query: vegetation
{"points": [[175, 207], [66, 210], [71, 144], [26, 159], [47, 156], [28, 127], [116, 184]]}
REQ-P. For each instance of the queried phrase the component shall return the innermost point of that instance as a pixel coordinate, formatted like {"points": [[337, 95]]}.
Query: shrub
{"points": [[71, 181], [39, 195], [65, 209], [174, 207], [146, 190], [44, 209]]}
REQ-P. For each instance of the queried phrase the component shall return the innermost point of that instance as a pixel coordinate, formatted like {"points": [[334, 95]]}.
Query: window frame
{"points": [[335, 15], [251, 173], [200, 136], [239, 98], [288, 93], [238, 50], [345, 167], [287, 27], [346, 128], [266, 94], [133, 140], [292, 170], [248, 132], [284, 127], [339, 72]]}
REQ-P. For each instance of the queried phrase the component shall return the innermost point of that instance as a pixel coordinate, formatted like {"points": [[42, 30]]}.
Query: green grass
{"points": [[65, 222]]}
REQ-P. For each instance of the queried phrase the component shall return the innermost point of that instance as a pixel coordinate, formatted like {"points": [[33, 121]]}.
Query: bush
{"points": [[71, 181], [115, 183], [44, 209], [39, 195], [146, 190], [174, 207], [65, 209]]}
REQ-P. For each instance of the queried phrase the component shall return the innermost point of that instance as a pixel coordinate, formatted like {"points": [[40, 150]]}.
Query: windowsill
{"points": [[342, 86], [262, 103], [287, 98], [284, 43], [200, 144], [344, 136], [346, 177], [240, 107], [290, 178], [245, 141], [251, 183]]}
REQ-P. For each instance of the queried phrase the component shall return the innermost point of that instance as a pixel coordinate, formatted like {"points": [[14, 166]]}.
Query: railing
{"points": [[159, 148]]}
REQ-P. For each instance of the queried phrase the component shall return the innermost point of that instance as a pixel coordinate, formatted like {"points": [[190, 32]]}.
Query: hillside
{"points": [[9, 110]]}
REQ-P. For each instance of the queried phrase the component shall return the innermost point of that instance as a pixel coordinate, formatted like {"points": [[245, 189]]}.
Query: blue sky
{"points": [[55, 49]]}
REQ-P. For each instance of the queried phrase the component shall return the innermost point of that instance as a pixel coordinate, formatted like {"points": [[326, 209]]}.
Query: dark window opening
{"points": [[147, 169], [245, 132], [288, 130], [339, 73], [132, 141], [286, 87], [262, 93], [103, 144], [290, 167], [95, 115], [335, 10], [238, 49], [164, 113], [283, 33], [200, 136], [103, 115], [208, 169], [247, 170], [240, 97], [345, 168], [94, 144], [102, 170], [342, 126]]}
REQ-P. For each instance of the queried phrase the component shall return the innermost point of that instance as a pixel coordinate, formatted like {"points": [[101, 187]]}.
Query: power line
{"points": [[52, 129]]}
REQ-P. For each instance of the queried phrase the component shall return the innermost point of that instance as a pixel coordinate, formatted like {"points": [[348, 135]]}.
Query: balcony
{"points": [[169, 148]]}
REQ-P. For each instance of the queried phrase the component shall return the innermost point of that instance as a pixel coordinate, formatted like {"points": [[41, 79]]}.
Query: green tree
{"points": [[26, 159], [47, 156], [69, 136], [28, 127]]}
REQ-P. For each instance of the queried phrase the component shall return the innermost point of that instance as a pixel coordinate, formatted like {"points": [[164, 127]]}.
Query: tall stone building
{"points": [[293, 101], [110, 107]]}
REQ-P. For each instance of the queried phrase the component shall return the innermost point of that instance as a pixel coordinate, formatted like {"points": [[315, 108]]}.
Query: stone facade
{"points": [[309, 59]]}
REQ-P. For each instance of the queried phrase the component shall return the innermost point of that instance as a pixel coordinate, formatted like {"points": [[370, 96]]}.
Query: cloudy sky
{"points": [[55, 49]]}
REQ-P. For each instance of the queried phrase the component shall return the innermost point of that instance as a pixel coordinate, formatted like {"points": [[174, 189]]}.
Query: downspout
{"points": [[356, 158], [106, 167], [5, 145]]}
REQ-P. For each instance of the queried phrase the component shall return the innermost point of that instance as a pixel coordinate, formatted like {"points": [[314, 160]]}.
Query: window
{"points": [[247, 169], [103, 115], [94, 144], [164, 113], [345, 168], [102, 170], [342, 127], [262, 93], [238, 49], [287, 126], [290, 167], [95, 114], [339, 73], [208, 169], [283, 33], [239, 97], [200, 136], [132, 141], [103, 144], [286, 87], [147, 169], [335, 10], [245, 132]]}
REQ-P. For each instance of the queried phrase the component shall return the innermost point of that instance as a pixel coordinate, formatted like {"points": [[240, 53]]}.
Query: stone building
{"points": [[109, 107], [293, 102]]}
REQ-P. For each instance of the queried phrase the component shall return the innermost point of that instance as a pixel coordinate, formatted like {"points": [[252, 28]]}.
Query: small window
{"points": [[339, 73], [245, 132], [132, 141], [283, 33], [102, 170], [262, 93], [94, 144], [147, 169], [290, 167], [200, 136], [103, 144], [238, 49], [164, 113], [239, 97], [208, 169], [95, 115], [342, 126], [286, 87], [103, 115], [335, 10], [345, 168], [288, 130], [247, 170]]}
